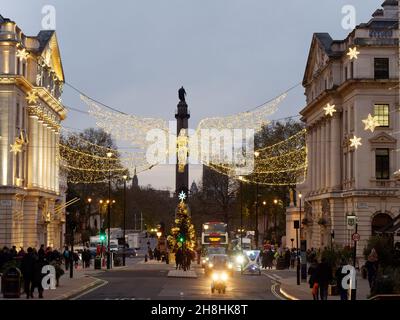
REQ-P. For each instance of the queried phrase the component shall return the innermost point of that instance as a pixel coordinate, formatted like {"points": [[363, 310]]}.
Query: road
{"points": [[142, 281]]}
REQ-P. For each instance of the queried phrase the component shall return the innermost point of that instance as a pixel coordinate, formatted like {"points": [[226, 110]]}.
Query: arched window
{"points": [[380, 221]]}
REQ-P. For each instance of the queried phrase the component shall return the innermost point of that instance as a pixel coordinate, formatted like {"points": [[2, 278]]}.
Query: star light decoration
{"points": [[355, 142], [22, 54], [16, 147], [32, 97], [182, 196], [329, 110], [353, 53], [371, 123]]}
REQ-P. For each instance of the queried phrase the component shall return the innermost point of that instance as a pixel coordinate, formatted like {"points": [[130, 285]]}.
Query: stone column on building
{"points": [[318, 158], [327, 154], [32, 155], [49, 158], [30, 221], [336, 151], [40, 154], [322, 155], [309, 144]]}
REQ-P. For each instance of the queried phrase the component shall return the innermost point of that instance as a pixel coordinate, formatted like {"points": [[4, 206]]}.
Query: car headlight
{"points": [[215, 276], [210, 265], [240, 259], [224, 276]]}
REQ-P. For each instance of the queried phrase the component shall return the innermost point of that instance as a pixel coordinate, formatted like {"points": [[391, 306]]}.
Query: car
{"points": [[129, 252]]}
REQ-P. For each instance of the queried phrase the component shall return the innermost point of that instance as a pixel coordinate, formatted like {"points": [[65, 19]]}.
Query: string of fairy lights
{"points": [[86, 162]]}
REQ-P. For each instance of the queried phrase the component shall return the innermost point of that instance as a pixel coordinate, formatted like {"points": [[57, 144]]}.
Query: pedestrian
{"points": [[40, 262], [287, 258], [178, 258], [67, 257], [13, 252], [372, 267], [339, 279], [312, 279], [41, 252], [28, 269], [292, 258], [323, 278]]}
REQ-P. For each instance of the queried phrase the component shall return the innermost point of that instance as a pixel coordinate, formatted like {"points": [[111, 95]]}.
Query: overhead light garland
{"points": [[284, 163]]}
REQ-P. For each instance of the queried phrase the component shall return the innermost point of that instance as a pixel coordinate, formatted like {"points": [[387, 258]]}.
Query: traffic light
{"points": [[102, 235], [181, 238]]}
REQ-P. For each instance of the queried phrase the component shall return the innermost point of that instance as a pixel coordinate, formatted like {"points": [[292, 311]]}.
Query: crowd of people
{"points": [[270, 255], [184, 258], [30, 263]]}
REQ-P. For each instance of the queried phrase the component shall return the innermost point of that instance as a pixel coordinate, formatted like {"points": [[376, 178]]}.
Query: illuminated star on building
{"points": [[16, 147], [355, 142], [182, 196], [371, 123], [353, 53], [32, 97], [329, 110], [22, 54]]}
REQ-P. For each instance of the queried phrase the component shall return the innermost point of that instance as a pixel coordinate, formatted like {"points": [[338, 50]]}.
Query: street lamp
{"points": [[241, 213], [125, 177], [256, 154], [90, 203], [265, 215], [159, 233], [109, 155], [300, 196], [275, 208]]}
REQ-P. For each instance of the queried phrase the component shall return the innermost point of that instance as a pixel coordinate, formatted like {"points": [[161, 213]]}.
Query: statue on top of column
{"points": [[182, 94]]}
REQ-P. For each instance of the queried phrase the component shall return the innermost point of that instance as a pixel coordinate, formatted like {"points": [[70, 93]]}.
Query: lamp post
{"points": [[125, 177], [241, 213], [275, 208], [300, 196], [265, 225], [256, 154], [109, 155], [90, 203]]}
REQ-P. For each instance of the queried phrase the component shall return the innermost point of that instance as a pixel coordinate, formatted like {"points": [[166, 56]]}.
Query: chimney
{"points": [[391, 9]]}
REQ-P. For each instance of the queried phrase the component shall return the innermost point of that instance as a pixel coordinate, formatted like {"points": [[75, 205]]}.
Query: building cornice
{"points": [[43, 93]]}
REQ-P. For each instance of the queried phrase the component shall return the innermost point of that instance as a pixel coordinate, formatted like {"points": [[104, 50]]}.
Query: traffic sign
{"points": [[356, 237]]}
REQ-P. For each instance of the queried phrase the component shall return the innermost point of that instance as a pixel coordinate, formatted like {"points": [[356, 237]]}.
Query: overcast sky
{"points": [[230, 55]]}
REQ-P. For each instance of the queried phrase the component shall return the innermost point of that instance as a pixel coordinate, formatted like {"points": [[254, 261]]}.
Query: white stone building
{"points": [[343, 180], [31, 81]]}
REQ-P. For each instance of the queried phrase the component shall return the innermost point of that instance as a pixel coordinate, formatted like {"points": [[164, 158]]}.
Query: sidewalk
{"points": [[83, 279], [292, 291]]}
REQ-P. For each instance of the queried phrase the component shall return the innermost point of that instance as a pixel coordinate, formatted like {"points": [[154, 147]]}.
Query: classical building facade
{"points": [[344, 179], [31, 193]]}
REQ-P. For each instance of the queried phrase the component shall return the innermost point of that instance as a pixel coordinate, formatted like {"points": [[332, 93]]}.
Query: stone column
{"points": [[314, 159], [322, 155], [327, 154], [318, 158], [336, 152], [40, 154], [32, 154], [57, 162], [309, 158], [49, 158], [30, 222], [52, 161]]}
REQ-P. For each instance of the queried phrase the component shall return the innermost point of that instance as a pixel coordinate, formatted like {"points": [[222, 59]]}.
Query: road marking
{"points": [[91, 290], [275, 293], [287, 295]]}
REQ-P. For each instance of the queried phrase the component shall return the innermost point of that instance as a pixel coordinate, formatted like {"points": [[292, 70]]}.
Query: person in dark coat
{"points": [[41, 252], [67, 258], [178, 258], [28, 270], [312, 279], [287, 259], [323, 278], [40, 262]]}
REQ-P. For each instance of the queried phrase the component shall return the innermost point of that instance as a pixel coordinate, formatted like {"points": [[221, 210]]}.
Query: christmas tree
{"points": [[183, 233]]}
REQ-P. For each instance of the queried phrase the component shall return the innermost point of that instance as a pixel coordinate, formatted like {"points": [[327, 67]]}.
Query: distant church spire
{"points": [[135, 180]]}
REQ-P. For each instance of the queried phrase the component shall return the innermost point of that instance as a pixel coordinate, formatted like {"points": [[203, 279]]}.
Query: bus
{"points": [[214, 234]]}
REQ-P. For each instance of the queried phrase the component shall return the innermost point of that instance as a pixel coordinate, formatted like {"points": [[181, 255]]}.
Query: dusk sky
{"points": [[230, 55]]}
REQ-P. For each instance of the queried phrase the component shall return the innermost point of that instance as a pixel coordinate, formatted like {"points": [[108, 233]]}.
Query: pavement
{"points": [[287, 281], [83, 280]]}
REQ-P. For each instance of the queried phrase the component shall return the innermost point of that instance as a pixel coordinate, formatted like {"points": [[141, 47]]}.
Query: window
{"points": [[381, 68], [381, 111], [382, 164]]}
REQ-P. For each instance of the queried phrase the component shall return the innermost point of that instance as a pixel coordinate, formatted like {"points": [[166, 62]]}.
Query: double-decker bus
{"points": [[214, 234]]}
